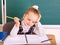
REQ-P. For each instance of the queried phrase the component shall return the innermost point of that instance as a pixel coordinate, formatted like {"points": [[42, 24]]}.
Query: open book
{"points": [[25, 39]]}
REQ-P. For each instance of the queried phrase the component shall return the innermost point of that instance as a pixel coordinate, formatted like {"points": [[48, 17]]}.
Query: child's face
{"points": [[30, 19]]}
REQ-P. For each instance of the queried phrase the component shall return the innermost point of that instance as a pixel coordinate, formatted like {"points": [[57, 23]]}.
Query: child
{"points": [[30, 18], [30, 23]]}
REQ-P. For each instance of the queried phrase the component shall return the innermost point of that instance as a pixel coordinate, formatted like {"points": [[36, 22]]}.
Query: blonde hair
{"points": [[35, 11]]}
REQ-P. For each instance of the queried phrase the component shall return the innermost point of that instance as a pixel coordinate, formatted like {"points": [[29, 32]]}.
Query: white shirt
{"points": [[39, 30], [25, 29]]}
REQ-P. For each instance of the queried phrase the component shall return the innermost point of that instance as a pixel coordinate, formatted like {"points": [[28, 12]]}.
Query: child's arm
{"points": [[15, 29], [40, 31]]}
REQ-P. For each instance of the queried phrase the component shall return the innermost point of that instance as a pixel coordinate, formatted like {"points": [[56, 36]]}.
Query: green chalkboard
{"points": [[0, 12], [49, 9]]}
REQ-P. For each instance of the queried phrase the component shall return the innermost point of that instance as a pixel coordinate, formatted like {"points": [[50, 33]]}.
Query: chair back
{"points": [[8, 27]]}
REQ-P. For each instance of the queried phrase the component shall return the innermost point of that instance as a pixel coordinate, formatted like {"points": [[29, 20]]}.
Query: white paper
{"points": [[19, 39], [35, 39]]}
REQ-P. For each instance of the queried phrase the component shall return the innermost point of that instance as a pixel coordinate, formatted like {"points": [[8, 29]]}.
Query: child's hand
{"points": [[16, 20]]}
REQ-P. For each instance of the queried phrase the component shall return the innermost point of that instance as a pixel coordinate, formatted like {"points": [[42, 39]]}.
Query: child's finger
{"points": [[16, 18]]}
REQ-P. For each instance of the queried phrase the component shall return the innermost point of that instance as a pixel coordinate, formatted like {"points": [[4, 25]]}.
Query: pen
{"points": [[45, 40], [26, 38]]}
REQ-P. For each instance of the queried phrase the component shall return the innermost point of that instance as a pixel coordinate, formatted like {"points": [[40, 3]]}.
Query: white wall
{"points": [[55, 30]]}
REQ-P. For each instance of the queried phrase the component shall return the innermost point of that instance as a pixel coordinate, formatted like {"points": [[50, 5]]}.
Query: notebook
{"points": [[24, 39], [3, 35]]}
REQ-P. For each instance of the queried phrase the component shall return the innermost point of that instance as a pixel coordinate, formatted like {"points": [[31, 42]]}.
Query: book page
{"points": [[19, 39], [35, 39]]}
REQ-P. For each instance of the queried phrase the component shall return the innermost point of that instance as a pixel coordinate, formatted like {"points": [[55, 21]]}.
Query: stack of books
{"points": [[3, 35]]}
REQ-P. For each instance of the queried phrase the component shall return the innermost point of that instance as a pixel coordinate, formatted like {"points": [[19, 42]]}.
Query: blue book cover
{"points": [[3, 35]]}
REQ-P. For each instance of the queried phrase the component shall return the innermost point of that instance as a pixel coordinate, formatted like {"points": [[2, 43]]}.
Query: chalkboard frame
{"points": [[0, 11]]}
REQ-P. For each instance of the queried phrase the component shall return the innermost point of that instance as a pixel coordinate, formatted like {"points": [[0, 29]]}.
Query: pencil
{"points": [[26, 38], [46, 40], [10, 17]]}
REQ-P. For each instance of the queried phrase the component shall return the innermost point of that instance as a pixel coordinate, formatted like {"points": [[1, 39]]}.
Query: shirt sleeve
{"points": [[14, 31], [40, 31]]}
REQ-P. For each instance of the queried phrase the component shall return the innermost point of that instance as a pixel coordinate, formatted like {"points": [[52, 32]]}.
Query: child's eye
{"points": [[28, 19], [34, 22]]}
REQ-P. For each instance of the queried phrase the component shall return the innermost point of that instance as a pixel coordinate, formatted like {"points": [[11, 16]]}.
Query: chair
{"points": [[8, 26]]}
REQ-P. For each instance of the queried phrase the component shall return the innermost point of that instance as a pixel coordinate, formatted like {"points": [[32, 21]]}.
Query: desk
{"points": [[31, 44], [53, 41], [1, 43], [26, 44]]}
